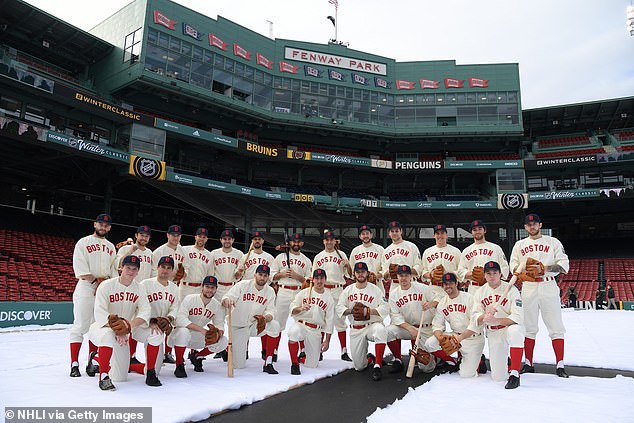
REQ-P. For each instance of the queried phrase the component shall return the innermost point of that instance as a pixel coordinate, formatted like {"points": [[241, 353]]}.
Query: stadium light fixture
{"points": [[630, 19]]}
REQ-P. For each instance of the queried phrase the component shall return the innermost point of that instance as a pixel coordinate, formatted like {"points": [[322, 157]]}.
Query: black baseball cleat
{"points": [[302, 357], [321, 357], [376, 374], [105, 384], [218, 355], [247, 353], [371, 359], [192, 357], [92, 369], [295, 369], [133, 360], [151, 379], [512, 383], [454, 368], [274, 358], [527, 368], [482, 367], [180, 371], [561, 372], [345, 357], [263, 354], [169, 358], [225, 355], [74, 371], [396, 367], [269, 369], [198, 364]]}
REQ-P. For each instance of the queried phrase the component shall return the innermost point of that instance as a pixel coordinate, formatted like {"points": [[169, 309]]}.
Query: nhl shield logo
{"points": [[147, 168], [513, 201]]}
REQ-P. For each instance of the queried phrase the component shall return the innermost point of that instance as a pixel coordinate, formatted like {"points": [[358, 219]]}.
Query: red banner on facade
{"points": [[161, 19], [261, 60], [217, 42], [453, 83], [239, 51], [404, 85], [287, 67], [428, 83], [477, 82]]}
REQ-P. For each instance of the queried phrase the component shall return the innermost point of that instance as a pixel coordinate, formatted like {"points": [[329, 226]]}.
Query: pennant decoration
{"points": [[382, 83], [191, 31], [478, 83], [217, 42], [311, 71], [428, 83], [287, 67], [241, 52], [261, 60], [404, 85], [337, 76], [161, 19], [453, 83], [359, 79]]}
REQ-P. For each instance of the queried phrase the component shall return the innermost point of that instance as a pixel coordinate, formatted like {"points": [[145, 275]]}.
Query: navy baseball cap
{"points": [[258, 234], [329, 235], [202, 231], [449, 277], [365, 228], [104, 218], [361, 266], [319, 272], [404, 269], [132, 261], [478, 224], [394, 224], [492, 265], [263, 268], [210, 280], [440, 228], [227, 233], [175, 229], [532, 218], [296, 237], [166, 260], [145, 229]]}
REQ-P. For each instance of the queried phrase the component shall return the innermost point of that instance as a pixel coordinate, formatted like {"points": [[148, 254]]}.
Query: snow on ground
{"points": [[35, 366]]}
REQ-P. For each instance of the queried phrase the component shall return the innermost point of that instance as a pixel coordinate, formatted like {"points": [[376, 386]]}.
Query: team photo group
{"points": [[443, 303]]}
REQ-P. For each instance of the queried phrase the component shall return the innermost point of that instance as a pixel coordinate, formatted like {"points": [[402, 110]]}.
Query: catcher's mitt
{"points": [[180, 273], [261, 322], [449, 344], [120, 326], [164, 325], [393, 271], [212, 335], [436, 275], [477, 275], [307, 283], [421, 356], [360, 312], [532, 271], [372, 278]]}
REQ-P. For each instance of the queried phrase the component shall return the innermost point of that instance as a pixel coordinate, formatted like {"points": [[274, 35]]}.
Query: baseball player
{"points": [[470, 269], [250, 261], [139, 249], [542, 258], [121, 305], [199, 317], [289, 275], [370, 253], [440, 259], [366, 309], [499, 309], [335, 263], [408, 302], [457, 308], [93, 262], [225, 263], [253, 303], [199, 264], [313, 310], [397, 253]]}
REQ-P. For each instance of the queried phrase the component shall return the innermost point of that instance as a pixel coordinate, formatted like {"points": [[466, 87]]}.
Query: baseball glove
{"points": [[421, 356], [261, 322], [449, 344], [436, 274], [164, 325], [393, 271], [212, 335], [525, 277], [128, 241], [307, 283], [372, 277], [180, 273], [360, 312], [120, 326], [532, 271], [477, 275], [98, 281]]}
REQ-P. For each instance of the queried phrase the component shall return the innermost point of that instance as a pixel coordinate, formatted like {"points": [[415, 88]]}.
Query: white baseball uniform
{"points": [[127, 302], [333, 265], [309, 324], [478, 255], [459, 313], [224, 266], [145, 256], [363, 331], [250, 301], [177, 254], [405, 252], [199, 267], [92, 256], [372, 256], [288, 287], [448, 256], [501, 337], [255, 260], [193, 310]]}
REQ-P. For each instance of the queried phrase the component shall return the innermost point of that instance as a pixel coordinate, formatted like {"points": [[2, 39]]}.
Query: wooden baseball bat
{"points": [[246, 259], [230, 346], [412, 360], [512, 281]]}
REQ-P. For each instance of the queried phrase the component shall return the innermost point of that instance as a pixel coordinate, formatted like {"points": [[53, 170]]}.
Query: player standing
{"points": [[225, 263], [398, 253], [369, 253], [139, 249], [440, 259], [246, 268], [199, 264], [542, 257], [93, 262]]}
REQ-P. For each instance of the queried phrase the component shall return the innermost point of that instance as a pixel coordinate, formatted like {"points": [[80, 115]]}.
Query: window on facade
{"points": [[132, 46], [36, 115], [10, 107], [156, 59]]}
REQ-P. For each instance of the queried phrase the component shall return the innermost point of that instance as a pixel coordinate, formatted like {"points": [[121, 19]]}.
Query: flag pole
{"points": [[336, 21]]}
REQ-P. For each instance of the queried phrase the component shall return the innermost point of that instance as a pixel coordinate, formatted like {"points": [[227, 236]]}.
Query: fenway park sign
{"points": [[343, 62]]}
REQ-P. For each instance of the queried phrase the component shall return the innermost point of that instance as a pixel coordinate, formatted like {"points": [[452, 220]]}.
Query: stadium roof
{"points": [[31, 28]]}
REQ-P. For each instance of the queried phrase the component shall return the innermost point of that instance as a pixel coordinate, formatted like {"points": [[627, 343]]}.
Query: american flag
{"points": [[335, 3]]}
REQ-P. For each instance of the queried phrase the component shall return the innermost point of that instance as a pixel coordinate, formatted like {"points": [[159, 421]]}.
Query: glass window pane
{"points": [[175, 44], [152, 36]]}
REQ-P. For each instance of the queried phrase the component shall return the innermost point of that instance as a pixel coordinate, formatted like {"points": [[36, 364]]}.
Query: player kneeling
{"points": [[194, 331], [121, 305], [456, 308], [365, 307], [314, 311], [254, 302], [499, 307]]}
